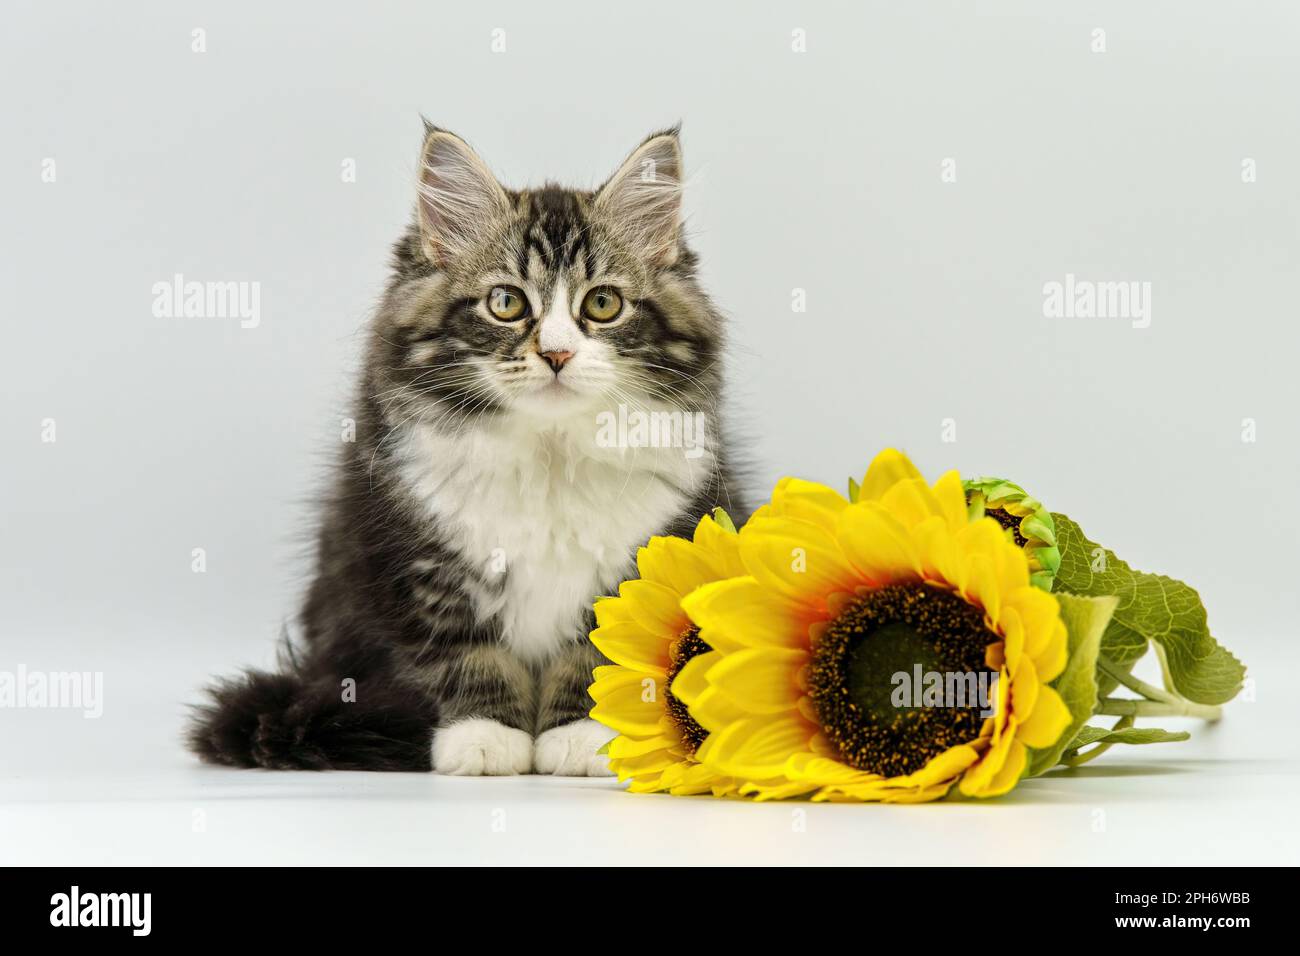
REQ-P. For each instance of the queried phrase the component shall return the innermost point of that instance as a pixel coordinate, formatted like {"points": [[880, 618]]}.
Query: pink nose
{"points": [[556, 360]]}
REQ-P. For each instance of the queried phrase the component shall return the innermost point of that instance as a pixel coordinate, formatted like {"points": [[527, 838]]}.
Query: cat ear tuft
{"points": [[643, 200], [459, 198]]}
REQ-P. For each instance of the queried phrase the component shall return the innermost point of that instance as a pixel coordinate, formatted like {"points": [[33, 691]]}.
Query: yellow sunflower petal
{"points": [[609, 677], [981, 587], [824, 771], [798, 559], [1045, 636], [876, 793], [674, 562], [1048, 720], [1053, 655], [757, 747], [983, 550], [921, 795], [720, 549], [671, 776], [687, 779], [776, 789], [911, 502], [1009, 773], [623, 746], [626, 704], [987, 539], [740, 613], [808, 501], [650, 783], [762, 680], [885, 470], [1002, 714], [611, 610], [656, 607], [976, 780], [692, 680], [653, 762], [1013, 635], [632, 646], [1024, 690], [713, 710], [877, 545], [937, 552], [607, 672], [945, 768], [951, 496]]}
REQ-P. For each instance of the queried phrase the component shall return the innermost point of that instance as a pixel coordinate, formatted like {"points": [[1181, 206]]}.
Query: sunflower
{"points": [[648, 636], [1029, 523], [839, 605]]}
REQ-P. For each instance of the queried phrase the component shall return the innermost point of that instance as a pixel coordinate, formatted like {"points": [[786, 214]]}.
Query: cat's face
{"points": [[547, 302]]}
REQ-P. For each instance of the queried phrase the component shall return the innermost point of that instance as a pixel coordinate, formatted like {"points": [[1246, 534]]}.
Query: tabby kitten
{"points": [[483, 507]]}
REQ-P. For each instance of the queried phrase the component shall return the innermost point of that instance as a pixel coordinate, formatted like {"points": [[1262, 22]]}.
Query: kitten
{"points": [[482, 507]]}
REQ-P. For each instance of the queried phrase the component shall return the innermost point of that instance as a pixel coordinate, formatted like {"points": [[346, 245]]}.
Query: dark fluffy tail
{"points": [[286, 722]]}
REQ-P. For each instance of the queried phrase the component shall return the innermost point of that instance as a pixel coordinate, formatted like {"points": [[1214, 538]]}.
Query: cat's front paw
{"points": [[570, 750], [479, 747]]}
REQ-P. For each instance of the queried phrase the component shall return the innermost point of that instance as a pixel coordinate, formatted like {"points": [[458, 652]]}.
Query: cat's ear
{"points": [[459, 197], [642, 202]]}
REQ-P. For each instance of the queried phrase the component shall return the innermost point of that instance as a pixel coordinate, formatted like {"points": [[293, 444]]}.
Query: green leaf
{"points": [[1085, 621], [604, 750], [855, 491], [724, 520], [1151, 606], [1127, 735], [1121, 645]]}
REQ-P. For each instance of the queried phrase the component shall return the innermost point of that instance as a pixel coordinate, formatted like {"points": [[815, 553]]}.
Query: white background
{"points": [[816, 170]]}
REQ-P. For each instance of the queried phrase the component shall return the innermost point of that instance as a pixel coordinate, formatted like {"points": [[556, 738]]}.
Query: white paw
{"points": [[480, 747], [570, 751]]}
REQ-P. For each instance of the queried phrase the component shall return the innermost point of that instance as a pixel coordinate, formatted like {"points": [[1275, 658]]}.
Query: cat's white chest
{"points": [[555, 517]]}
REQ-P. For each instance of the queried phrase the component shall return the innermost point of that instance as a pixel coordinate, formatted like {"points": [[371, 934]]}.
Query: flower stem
{"points": [[1119, 707], [1158, 702]]}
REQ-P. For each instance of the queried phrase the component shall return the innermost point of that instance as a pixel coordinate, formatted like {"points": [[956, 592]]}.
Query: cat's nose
{"points": [[556, 360]]}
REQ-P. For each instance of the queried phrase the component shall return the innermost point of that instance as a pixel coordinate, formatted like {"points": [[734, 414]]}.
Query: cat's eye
{"points": [[507, 303], [602, 304]]}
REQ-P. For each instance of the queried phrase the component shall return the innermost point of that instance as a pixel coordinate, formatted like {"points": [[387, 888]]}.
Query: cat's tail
{"points": [[285, 721]]}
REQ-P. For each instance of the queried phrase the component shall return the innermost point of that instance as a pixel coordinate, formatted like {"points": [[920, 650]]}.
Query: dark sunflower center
{"points": [[899, 677], [1008, 521], [688, 646]]}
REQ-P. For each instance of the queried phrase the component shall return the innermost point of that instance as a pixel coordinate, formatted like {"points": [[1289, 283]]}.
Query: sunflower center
{"points": [[687, 647], [899, 677], [1008, 521]]}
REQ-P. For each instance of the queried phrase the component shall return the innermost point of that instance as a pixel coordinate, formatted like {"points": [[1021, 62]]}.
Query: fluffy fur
{"points": [[478, 513]]}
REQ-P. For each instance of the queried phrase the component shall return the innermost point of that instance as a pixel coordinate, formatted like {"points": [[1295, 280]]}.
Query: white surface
{"points": [[120, 790]]}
